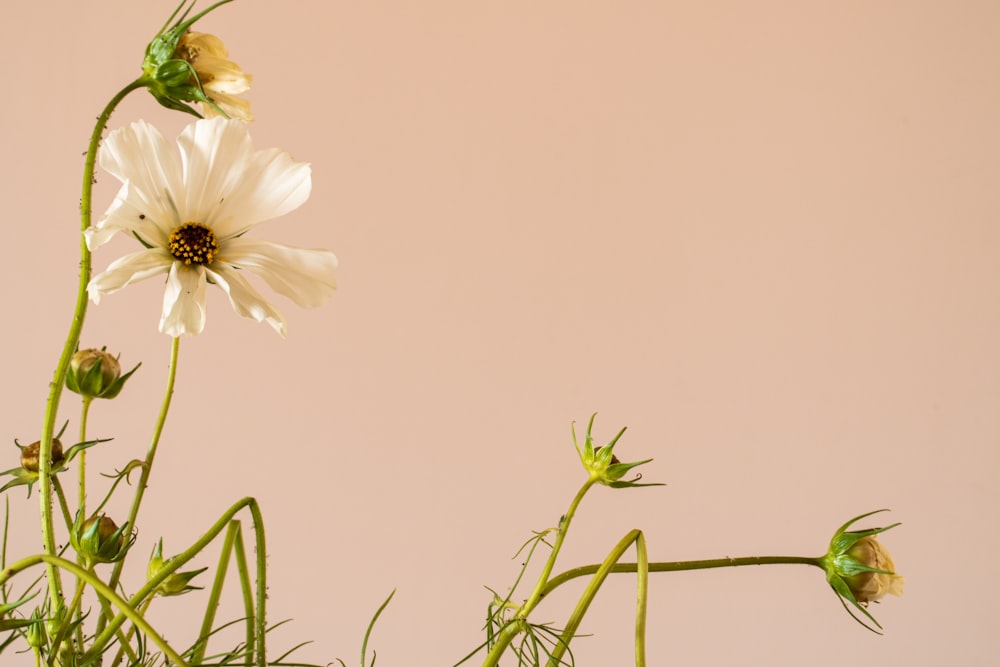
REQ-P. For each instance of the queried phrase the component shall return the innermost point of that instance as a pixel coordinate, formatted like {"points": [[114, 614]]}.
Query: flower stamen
{"points": [[193, 243]]}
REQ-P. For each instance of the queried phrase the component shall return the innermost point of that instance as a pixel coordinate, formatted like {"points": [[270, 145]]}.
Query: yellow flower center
{"points": [[193, 243]]}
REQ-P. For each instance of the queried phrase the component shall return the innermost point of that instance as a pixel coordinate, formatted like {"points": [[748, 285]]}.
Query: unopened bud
{"points": [[30, 456]]}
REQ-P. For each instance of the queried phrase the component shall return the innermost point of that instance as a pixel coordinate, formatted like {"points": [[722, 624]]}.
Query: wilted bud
{"points": [[176, 583], [100, 540], [873, 584], [96, 374], [184, 66], [860, 569], [601, 463], [30, 456]]}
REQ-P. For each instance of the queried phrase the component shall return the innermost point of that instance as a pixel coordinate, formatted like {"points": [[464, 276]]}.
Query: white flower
{"points": [[191, 207]]}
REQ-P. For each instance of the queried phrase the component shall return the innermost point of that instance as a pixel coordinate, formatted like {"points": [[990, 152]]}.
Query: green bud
{"points": [[35, 634], [601, 463], [100, 540], [96, 374], [174, 73], [176, 583]]}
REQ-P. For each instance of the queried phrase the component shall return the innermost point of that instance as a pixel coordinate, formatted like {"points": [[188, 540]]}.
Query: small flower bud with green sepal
{"points": [[601, 463], [177, 583], [96, 374], [35, 634], [860, 569], [26, 474], [100, 540]]}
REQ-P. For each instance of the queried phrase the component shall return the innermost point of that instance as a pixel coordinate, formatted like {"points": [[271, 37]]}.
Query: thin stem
{"points": [[82, 457], [103, 637], [564, 523], [81, 500], [124, 639], [642, 558], [602, 572], [147, 464], [514, 626], [102, 590], [249, 614], [63, 506], [70, 346], [678, 566], [215, 593]]}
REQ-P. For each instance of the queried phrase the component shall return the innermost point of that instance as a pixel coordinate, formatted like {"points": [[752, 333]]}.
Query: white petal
{"points": [[245, 299], [307, 277], [215, 153], [272, 184], [184, 301], [128, 212], [140, 156], [129, 269]]}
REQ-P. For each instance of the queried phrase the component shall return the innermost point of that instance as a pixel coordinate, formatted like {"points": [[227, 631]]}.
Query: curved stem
{"points": [[642, 558], [70, 346], [178, 561], [678, 566], [102, 590], [602, 572], [147, 464]]}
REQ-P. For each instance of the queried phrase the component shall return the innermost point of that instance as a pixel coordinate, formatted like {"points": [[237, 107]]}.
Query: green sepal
{"points": [[601, 463], [168, 77], [79, 447]]}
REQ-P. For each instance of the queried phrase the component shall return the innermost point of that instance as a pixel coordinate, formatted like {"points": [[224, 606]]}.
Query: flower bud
{"points": [[96, 374], [860, 569], [177, 583], [184, 66], [601, 463], [30, 456], [100, 540], [35, 633]]}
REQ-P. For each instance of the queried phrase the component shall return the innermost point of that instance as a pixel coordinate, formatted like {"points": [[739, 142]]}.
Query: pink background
{"points": [[764, 236]]}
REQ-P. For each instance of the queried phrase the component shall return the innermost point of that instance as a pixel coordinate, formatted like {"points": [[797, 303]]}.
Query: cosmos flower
{"points": [[190, 206]]}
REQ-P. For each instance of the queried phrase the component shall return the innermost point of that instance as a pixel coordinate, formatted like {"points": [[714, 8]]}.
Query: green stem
{"points": [[603, 570], [74, 606], [82, 457], [69, 348], [147, 465], [103, 590], [81, 498], [178, 561], [514, 626], [511, 630], [641, 597], [63, 506], [124, 639], [215, 593], [678, 566]]}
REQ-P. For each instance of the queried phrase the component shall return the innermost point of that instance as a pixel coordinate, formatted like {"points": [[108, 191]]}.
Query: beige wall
{"points": [[762, 235]]}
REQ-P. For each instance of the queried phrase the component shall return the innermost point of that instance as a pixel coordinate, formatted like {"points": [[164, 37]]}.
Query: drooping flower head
{"points": [[220, 78], [190, 205], [860, 569], [183, 66]]}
